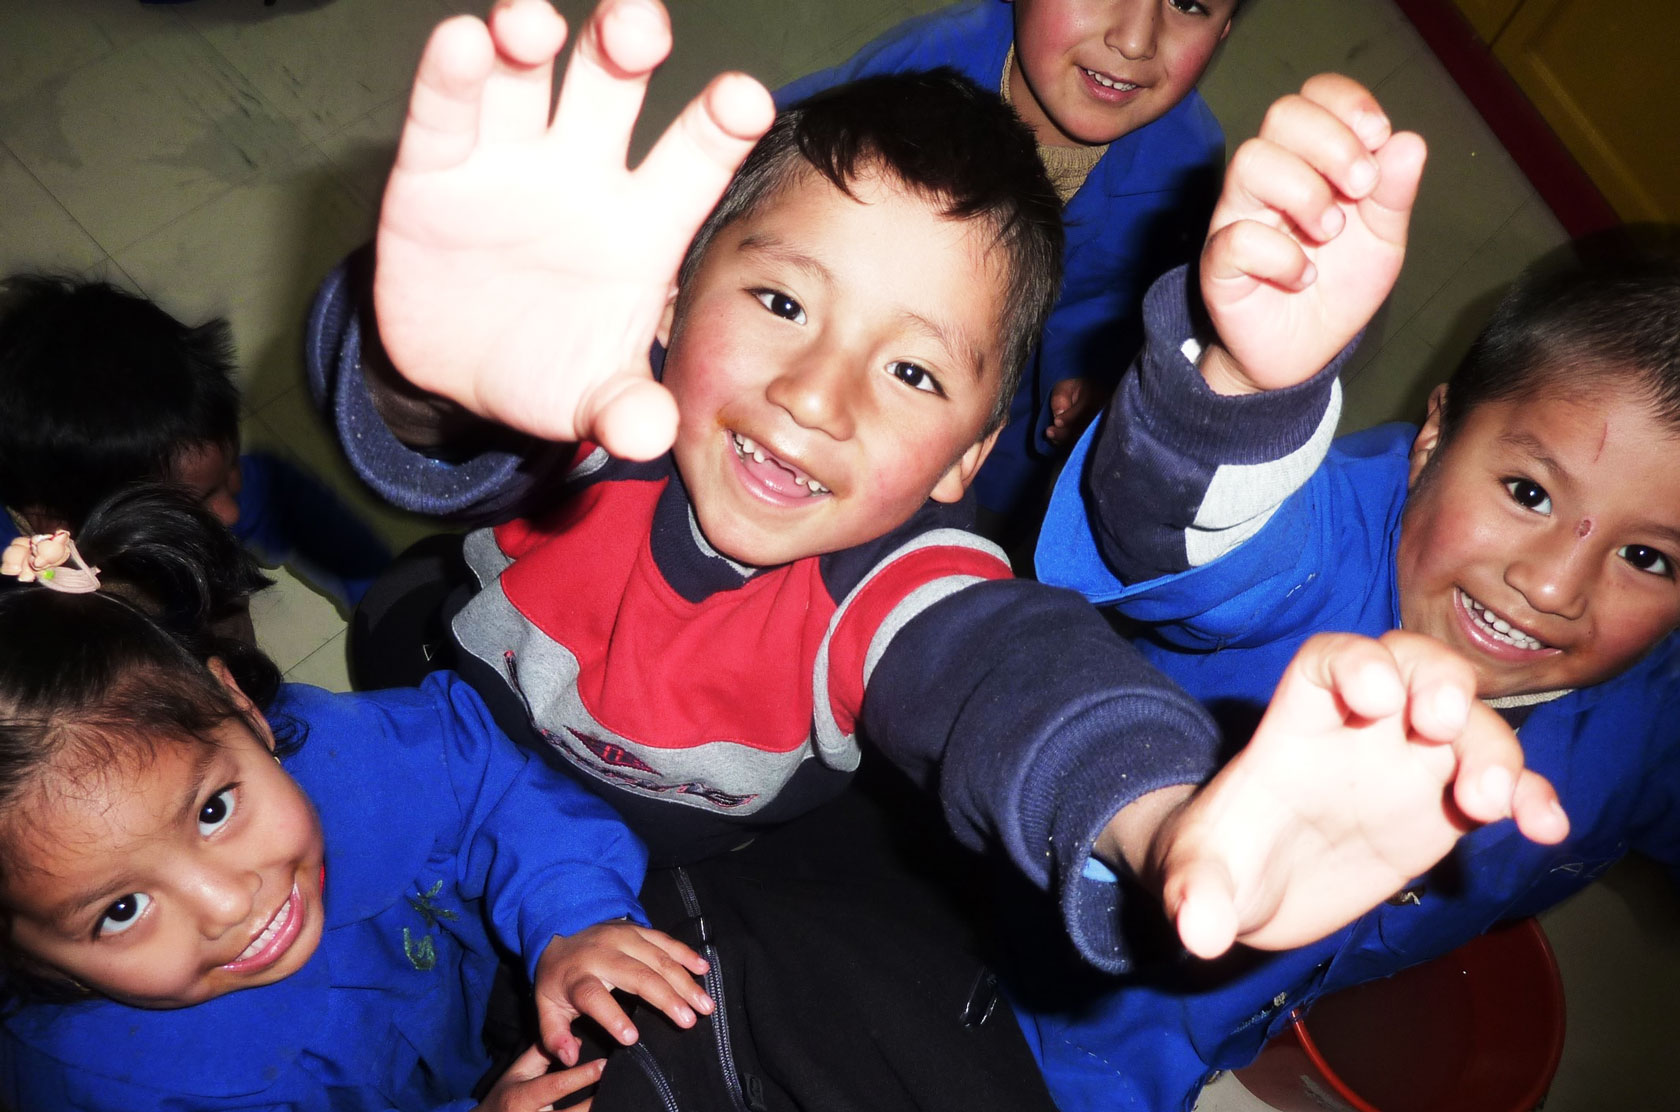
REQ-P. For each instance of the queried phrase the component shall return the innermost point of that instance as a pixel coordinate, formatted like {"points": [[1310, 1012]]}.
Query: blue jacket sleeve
{"points": [[1036, 724], [547, 856], [340, 340], [1174, 475]]}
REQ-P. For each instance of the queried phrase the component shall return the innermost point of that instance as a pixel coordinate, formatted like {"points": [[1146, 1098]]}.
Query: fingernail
{"points": [[1371, 127], [1496, 786], [1362, 176]]}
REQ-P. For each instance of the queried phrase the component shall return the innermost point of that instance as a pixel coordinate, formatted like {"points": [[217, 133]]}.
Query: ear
{"points": [[663, 333], [253, 717], [1226, 30], [954, 483], [1428, 437]]}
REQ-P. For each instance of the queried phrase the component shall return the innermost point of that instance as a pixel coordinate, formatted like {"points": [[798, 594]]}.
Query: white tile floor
{"points": [[220, 155]]}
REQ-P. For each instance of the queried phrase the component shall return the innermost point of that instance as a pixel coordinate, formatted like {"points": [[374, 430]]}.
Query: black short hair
{"points": [[943, 137], [100, 387], [1605, 313]]}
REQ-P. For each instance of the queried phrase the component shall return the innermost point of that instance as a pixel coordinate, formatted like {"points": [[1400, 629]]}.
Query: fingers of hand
{"points": [[1359, 673], [1387, 210], [1248, 251], [527, 35], [1200, 900], [551, 1087], [1440, 685], [606, 78], [534, 1062], [1539, 814], [443, 111], [1490, 759], [595, 1000], [631, 416], [1352, 104], [695, 157], [679, 952]]}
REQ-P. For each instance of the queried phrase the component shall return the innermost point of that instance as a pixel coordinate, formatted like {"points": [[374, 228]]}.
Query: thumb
{"points": [[1201, 901]]}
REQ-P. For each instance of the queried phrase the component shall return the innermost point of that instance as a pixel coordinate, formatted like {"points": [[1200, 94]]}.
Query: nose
{"points": [[1132, 29], [221, 894], [818, 391], [1554, 573]]}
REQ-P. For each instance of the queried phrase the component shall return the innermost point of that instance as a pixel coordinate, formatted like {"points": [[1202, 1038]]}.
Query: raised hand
{"points": [[521, 267], [576, 975], [1372, 760], [1308, 235]]}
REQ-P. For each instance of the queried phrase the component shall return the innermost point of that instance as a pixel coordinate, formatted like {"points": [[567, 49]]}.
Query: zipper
{"points": [[713, 980], [644, 1058]]}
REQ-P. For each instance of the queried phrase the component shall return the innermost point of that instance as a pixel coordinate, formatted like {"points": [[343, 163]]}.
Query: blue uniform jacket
{"points": [[1143, 209], [445, 844], [1324, 560]]}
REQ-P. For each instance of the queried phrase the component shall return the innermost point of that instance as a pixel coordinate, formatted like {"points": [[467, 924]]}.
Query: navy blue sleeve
{"points": [[1036, 723], [1176, 475], [340, 339]]}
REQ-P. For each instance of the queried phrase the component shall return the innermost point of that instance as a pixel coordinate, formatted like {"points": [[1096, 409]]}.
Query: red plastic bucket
{"points": [[1478, 1030]]}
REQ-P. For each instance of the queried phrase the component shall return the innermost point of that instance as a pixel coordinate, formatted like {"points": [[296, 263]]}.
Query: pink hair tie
{"points": [[41, 558]]}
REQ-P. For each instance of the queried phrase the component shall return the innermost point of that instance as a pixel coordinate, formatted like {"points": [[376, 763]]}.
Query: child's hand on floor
{"points": [[1307, 237], [521, 268], [528, 1086], [576, 975], [1372, 760]]}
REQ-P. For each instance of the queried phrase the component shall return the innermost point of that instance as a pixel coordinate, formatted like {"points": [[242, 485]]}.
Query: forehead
{"points": [[883, 247]]}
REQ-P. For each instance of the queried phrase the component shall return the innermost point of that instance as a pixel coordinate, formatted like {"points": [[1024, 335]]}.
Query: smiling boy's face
{"points": [[1090, 71], [835, 359], [1544, 542]]}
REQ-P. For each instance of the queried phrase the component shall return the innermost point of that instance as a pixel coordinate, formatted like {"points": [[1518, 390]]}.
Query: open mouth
{"points": [[1108, 82], [775, 474], [1498, 629], [274, 939]]}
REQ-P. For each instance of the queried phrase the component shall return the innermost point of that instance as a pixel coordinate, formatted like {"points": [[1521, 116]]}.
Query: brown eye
{"points": [[122, 914], [1646, 558], [1529, 494]]}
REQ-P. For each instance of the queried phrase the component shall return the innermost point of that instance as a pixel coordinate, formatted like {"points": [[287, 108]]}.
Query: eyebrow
{"points": [[67, 911], [1532, 446], [950, 338]]}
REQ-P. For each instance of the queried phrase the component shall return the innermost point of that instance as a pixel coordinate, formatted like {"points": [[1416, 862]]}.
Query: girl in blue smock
{"points": [[221, 892]]}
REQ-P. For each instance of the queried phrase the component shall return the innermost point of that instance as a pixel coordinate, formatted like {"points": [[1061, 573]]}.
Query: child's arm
{"points": [[1213, 433], [521, 268], [1372, 760]]}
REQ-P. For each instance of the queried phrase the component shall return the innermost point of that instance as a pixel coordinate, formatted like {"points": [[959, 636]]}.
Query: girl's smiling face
{"points": [[171, 879]]}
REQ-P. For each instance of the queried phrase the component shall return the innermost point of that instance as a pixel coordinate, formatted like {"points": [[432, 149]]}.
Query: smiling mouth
{"points": [[1108, 82], [778, 475], [274, 939], [1498, 628]]}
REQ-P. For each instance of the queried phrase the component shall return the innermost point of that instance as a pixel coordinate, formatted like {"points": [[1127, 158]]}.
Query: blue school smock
{"points": [[1143, 209], [1226, 630], [444, 845]]}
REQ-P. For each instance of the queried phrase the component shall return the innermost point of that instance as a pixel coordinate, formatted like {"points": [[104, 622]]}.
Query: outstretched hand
{"points": [[577, 974], [1372, 760], [521, 267], [1308, 235]]}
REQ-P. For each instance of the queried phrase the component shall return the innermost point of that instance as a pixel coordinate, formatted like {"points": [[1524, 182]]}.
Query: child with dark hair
{"points": [[1108, 88], [707, 637], [100, 388], [224, 892], [1532, 525]]}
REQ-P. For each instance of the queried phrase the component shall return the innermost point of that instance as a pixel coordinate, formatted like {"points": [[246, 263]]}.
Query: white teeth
{"points": [[1500, 629], [1109, 82], [268, 932], [745, 446]]}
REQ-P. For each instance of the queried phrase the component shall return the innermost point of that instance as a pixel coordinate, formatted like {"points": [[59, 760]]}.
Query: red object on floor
{"points": [[1478, 1030]]}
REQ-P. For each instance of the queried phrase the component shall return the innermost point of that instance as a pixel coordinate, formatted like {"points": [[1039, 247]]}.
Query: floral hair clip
{"points": [[42, 558]]}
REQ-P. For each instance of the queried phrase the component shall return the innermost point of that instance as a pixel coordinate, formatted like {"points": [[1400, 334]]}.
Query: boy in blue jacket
{"points": [[1532, 524], [1109, 90]]}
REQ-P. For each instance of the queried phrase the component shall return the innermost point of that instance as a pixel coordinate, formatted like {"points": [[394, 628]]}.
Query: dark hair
{"points": [[100, 680], [944, 138], [100, 387], [1603, 314]]}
